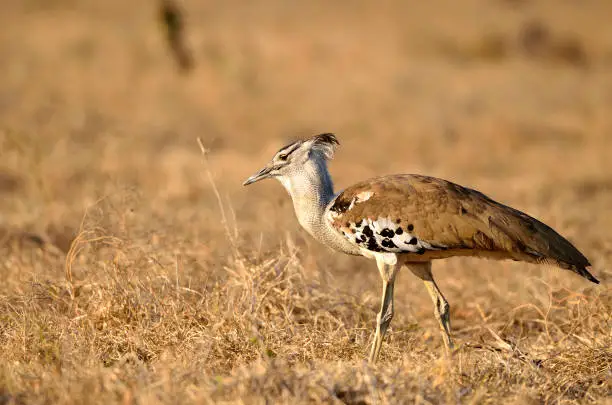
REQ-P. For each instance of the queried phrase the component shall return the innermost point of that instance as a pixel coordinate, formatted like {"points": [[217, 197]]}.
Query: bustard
{"points": [[409, 220]]}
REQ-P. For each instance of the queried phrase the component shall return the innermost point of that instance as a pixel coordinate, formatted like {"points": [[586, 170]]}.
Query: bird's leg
{"points": [[383, 319], [441, 306], [441, 311]]}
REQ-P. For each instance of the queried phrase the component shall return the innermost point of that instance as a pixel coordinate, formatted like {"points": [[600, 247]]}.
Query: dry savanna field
{"points": [[137, 270]]}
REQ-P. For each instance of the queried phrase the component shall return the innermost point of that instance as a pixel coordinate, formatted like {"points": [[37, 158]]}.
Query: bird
{"points": [[407, 221]]}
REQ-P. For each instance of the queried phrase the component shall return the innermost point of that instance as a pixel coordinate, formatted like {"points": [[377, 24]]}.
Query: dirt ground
{"points": [[137, 271]]}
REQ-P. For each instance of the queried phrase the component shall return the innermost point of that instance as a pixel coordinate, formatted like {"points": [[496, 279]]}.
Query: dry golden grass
{"points": [[124, 283]]}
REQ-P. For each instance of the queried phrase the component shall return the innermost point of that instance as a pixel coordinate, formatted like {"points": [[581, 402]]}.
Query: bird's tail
{"points": [[541, 243]]}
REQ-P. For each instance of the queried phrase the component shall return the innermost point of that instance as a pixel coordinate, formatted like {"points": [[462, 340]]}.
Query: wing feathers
{"points": [[433, 215]]}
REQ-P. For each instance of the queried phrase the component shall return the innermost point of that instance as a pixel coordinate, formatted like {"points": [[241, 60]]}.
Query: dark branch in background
{"points": [[173, 22]]}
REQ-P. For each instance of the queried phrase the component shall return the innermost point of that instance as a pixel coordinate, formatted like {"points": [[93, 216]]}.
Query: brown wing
{"points": [[416, 214]]}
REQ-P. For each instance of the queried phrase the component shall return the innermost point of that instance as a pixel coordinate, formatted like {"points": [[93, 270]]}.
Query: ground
{"points": [[136, 269]]}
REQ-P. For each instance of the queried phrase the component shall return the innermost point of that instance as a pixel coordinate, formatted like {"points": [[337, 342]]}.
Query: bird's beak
{"points": [[262, 174]]}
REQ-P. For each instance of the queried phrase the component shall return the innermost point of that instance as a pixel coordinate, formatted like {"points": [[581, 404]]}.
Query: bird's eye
{"points": [[282, 157]]}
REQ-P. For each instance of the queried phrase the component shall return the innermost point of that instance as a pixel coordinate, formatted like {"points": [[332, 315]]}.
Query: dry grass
{"points": [[123, 283]]}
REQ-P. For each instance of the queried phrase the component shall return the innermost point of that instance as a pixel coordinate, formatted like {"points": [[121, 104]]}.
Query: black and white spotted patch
{"points": [[384, 235]]}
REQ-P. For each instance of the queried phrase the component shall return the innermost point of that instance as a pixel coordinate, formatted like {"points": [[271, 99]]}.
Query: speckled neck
{"points": [[311, 189]]}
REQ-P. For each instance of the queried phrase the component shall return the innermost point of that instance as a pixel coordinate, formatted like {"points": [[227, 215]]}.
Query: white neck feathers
{"points": [[311, 189]]}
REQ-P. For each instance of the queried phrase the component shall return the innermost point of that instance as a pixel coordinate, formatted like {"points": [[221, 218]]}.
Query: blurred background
{"points": [[101, 99], [101, 105], [511, 97]]}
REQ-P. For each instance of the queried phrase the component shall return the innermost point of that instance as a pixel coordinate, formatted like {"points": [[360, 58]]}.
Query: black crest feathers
{"points": [[325, 143]]}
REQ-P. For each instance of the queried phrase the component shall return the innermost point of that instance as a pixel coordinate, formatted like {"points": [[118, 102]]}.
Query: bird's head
{"points": [[291, 159]]}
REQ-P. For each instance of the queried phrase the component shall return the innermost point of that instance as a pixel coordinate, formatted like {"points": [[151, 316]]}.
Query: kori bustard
{"points": [[409, 220]]}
